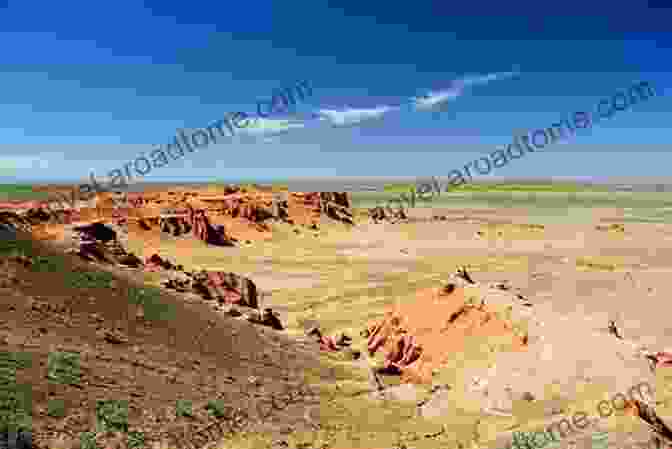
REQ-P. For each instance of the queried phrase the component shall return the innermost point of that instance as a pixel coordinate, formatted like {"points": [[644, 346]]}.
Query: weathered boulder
{"points": [[99, 243], [156, 263], [204, 231], [228, 288], [175, 225], [378, 213], [336, 205], [96, 231], [419, 336], [14, 221], [37, 216]]}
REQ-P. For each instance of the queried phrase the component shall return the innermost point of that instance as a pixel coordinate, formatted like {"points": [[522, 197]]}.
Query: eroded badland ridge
{"points": [[252, 317]]}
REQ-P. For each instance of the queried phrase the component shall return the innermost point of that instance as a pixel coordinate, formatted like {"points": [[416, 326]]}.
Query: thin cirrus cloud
{"points": [[350, 116], [431, 101], [266, 129], [437, 99], [269, 129], [263, 129]]}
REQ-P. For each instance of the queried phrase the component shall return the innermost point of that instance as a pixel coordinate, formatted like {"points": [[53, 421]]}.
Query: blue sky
{"points": [[91, 85]]}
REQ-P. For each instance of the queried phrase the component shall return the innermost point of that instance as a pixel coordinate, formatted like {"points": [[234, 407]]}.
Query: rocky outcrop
{"points": [[378, 213], [419, 336], [254, 206], [14, 221], [176, 226], [221, 286], [206, 232], [336, 205], [246, 213], [228, 288], [157, 263], [266, 318], [99, 243]]}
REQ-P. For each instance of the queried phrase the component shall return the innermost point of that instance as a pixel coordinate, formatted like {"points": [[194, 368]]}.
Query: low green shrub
{"points": [[64, 368], [112, 416], [150, 299]]}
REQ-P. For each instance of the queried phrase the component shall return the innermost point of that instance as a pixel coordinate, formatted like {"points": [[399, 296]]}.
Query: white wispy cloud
{"points": [[268, 127], [262, 128], [485, 79], [351, 116], [434, 99], [268, 130]]}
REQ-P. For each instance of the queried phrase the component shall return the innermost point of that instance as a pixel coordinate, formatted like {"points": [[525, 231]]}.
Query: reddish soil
{"points": [[419, 336], [200, 357]]}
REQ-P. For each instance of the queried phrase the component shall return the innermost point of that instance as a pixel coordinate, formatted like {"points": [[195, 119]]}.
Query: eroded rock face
{"points": [[378, 213], [418, 337], [336, 205], [176, 226], [216, 217], [99, 243], [225, 287], [15, 221], [157, 263], [206, 232]]}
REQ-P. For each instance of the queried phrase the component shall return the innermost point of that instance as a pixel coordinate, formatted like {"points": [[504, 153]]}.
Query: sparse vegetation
{"points": [[21, 192], [87, 440], [19, 247], [503, 187], [92, 279], [216, 407], [49, 264], [56, 408], [150, 299], [15, 399], [112, 416], [350, 284], [183, 408], [136, 440], [15, 407], [64, 368]]}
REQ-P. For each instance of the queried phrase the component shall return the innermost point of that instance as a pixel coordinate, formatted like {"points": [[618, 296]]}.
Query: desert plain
{"points": [[562, 311]]}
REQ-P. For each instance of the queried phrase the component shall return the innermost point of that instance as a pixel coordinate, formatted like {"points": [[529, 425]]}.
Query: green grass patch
{"points": [[112, 416], [64, 368], [15, 407], [19, 247], [7, 370], [150, 299], [398, 187], [183, 408], [49, 264], [565, 187], [21, 192], [93, 279], [135, 440], [75, 279], [87, 440], [216, 407], [56, 408], [505, 187]]}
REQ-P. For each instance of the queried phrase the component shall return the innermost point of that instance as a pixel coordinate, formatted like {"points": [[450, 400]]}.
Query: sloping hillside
{"points": [[75, 335]]}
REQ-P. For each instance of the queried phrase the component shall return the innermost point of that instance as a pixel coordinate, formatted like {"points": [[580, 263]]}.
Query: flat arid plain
{"points": [[475, 316]]}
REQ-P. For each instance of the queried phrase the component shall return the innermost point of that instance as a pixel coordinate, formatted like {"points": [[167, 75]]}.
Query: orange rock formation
{"points": [[419, 336]]}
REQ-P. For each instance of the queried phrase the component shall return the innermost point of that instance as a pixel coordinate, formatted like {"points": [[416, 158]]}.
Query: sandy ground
{"points": [[577, 278]]}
